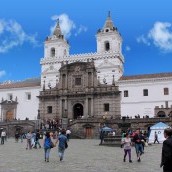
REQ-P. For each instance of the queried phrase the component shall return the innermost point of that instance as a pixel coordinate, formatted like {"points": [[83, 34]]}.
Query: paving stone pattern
{"points": [[81, 156]]}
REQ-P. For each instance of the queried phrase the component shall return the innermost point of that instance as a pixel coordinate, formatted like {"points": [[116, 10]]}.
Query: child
{"points": [[127, 147]]}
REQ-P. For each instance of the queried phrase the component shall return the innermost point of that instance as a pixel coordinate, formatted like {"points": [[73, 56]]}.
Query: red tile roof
{"points": [[146, 76], [31, 83]]}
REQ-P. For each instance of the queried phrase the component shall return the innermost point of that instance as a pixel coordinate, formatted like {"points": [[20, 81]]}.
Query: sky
{"points": [[145, 26]]}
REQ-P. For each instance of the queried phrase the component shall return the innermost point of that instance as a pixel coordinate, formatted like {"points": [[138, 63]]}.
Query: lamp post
{"points": [[38, 119]]}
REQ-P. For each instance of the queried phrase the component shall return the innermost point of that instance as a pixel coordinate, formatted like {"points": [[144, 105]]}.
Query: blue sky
{"points": [[146, 28]]}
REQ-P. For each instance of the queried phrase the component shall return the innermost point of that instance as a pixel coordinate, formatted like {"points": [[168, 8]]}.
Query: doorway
{"points": [[9, 116], [88, 133], [78, 111]]}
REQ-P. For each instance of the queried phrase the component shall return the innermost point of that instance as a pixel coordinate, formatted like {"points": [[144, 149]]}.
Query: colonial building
{"points": [[19, 100], [86, 85], [82, 85], [146, 95], [79, 94]]}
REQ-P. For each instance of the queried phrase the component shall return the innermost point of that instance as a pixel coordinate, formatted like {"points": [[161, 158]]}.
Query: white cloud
{"points": [[160, 36], [127, 48], [12, 35], [81, 29], [143, 39], [67, 25], [2, 73]]}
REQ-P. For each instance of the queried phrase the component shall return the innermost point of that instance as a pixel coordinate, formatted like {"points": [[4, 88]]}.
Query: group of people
{"points": [[138, 139], [33, 140], [50, 141], [166, 159]]}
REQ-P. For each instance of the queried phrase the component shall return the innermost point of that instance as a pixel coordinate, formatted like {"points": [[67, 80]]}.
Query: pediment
{"points": [[106, 64], [9, 102], [50, 70], [87, 125]]}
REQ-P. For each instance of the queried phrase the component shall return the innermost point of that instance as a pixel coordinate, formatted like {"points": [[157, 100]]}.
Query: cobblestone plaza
{"points": [[81, 156]]}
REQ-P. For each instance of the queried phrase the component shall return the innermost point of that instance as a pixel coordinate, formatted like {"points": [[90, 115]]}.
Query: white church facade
{"points": [[149, 94]]}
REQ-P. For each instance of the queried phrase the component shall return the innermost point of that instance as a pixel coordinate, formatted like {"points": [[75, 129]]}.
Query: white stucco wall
{"points": [[136, 103], [25, 108]]}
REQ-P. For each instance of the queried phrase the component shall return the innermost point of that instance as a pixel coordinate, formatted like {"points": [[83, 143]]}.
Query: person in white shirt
{"points": [[127, 147], [68, 132], [113, 133], [3, 135]]}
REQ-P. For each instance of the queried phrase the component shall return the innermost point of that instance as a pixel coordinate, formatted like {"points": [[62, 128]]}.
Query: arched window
{"points": [[53, 52], [161, 114], [107, 46]]}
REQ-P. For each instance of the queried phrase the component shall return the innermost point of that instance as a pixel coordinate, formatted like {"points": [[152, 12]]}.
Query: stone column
{"points": [[60, 109], [66, 108], [66, 84], [86, 108], [92, 106], [92, 79], [87, 79], [1, 114]]}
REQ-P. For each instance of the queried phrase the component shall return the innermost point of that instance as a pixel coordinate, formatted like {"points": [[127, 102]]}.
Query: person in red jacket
{"points": [[137, 139]]}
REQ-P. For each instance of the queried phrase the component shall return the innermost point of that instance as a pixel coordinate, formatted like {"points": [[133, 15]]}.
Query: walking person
{"points": [[17, 135], [62, 139], [37, 137], [47, 146], [166, 157], [156, 138], [102, 135], [3, 135], [68, 132], [138, 144], [33, 139], [127, 147], [21, 136], [28, 138]]}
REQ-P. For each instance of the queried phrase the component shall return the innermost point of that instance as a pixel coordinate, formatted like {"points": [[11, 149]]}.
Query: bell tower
{"points": [[109, 46], [108, 38], [56, 46]]}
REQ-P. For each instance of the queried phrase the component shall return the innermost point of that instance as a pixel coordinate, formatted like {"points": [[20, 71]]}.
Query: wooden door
{"points": [[9, 116], [88, 133]]}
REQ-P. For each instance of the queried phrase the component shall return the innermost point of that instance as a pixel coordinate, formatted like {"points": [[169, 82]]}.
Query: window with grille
{"points": [[28, 96], [126, 93], [166, 91], [49, 109], [145, 92], [106, 107]]}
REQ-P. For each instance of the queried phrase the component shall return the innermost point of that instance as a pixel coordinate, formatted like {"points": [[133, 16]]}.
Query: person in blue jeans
{"points": [[62, 139], [137, 139], [47, 146]]}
